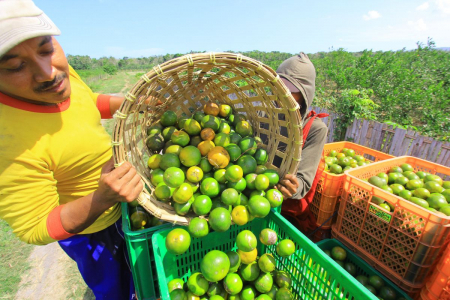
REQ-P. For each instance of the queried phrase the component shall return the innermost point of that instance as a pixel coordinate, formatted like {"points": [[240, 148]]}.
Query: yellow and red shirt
{"points": [[49, 156]]}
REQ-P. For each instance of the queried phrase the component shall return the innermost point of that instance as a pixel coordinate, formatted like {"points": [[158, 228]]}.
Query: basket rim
{"points": [[132, 97]]}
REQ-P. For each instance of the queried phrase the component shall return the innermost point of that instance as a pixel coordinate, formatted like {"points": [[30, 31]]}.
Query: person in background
{"points": [[298, 74], [58, 182]]}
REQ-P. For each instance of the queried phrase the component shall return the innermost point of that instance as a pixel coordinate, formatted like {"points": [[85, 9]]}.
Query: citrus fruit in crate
{"points": [[192, 119]]}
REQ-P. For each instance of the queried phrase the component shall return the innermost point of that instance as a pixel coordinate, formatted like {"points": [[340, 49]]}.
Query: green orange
{"points": [[230, 196], [163, 192], [155, 142], [235, 261], [194, 174], [246, 241], [262, 182], [205, 165], [169, 160], [238, 186], [210, 121], [154, 161], [222, 139], [259, 206], [215, 265], [175, 149], [220, 219], [268, 237], [233, 284], [190, 156], [285, 248], [167, 132], [178, 294], [437, 201], [263, 283], [234, 173], [192, 127], [209, 187], [247, 163], [249, 272], [168, 118], [414, 184], [234, 151], [235, 138], [178, 241], [183, 209], [195, 140], [174, 284], [433, 187], [250, 180], [156, 176], [180, 138], [202, 205], [267, 263], [261, 156], [248, 145], [273, 176], [198, 228], [244, 128], [240, 215], [197, 284], [219, 175], [173, 177], [422, 193], [275, 197]]}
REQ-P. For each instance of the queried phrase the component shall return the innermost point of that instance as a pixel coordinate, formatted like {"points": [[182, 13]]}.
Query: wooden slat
{"points": [[397, 141], [363, 132], [435, 149], [445, 154], [377, 132]]}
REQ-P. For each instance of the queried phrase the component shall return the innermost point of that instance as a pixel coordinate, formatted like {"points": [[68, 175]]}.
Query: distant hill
{"points": [[443, 48]]}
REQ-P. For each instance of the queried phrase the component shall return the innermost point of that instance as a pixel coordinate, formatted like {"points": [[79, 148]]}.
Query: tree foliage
{"points": [[409, 89]]}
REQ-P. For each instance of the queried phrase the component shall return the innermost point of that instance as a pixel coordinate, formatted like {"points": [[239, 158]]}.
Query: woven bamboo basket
{"points": [[184, 85]]}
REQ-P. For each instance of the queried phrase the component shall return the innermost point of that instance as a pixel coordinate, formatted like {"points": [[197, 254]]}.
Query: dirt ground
{"points": [[52, 274]]}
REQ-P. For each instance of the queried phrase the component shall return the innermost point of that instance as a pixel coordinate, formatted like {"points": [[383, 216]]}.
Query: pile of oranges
{"points": [[211, 166]]}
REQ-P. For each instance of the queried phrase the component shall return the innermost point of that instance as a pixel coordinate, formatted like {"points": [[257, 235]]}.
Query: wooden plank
{"points": [[363, 132], [368, 137], [350, 135], [332, 128], [407, 143], [417, 148], [377, 132], [445, 153], [435, 149], [397, 141], [389, 136], [379, 142]]}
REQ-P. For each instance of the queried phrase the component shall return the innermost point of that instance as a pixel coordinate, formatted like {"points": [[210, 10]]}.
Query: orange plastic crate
{"points": [[437, 286], [402, 244], [329, 187]]}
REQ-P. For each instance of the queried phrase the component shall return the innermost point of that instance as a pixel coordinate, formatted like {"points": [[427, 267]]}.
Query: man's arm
{"points": [[122, 184], [297, 186]]}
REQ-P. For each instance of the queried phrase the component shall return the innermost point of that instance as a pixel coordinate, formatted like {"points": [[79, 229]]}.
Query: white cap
{"points": [[21, 20]]}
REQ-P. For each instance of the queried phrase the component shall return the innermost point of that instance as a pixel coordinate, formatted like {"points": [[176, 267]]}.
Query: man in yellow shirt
{"points": [[57, 178]]}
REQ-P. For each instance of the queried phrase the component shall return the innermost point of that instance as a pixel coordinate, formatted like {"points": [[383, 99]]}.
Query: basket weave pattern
{"points": [[184, 85]]}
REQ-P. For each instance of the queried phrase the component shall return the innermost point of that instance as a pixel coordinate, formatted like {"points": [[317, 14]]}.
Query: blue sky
{"points": [[137, 28]]}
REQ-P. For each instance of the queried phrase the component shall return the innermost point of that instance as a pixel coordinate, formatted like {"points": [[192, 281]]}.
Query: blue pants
{"points": [[103, 262]]}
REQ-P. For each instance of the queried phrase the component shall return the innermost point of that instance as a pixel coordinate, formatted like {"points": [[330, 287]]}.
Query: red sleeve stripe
{"points": [[54, 225], [103, 106]]}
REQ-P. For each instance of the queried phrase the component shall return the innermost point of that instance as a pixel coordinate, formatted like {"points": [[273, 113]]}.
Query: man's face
{"points": [[35, 71], [299, 98]]}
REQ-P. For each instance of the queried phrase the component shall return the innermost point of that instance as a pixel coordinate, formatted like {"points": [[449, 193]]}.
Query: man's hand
{"points": [[122, 184], [288, 186]]}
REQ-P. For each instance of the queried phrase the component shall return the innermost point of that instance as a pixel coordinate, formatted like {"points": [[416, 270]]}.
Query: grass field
{"points": [[13, 261]]}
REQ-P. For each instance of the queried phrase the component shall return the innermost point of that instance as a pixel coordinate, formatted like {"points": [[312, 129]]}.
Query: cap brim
{"points": [[292, 88], [24, 28]]}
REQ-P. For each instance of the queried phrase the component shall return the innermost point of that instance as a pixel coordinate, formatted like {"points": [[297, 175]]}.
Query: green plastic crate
{"points": [[309, 280], [362, 267], [142, 261]]}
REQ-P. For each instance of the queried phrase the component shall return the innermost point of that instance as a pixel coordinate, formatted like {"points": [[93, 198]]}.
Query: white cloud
{"points": [[371, 15], [419, 25], [423, 6], [120, 52], [443, 6]]}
